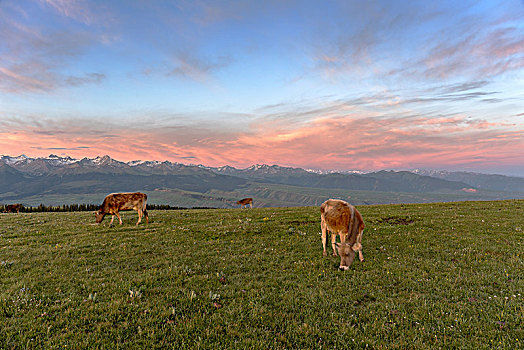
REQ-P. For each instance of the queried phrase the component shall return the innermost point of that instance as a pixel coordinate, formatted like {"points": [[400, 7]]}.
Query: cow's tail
{"points": [[351, 221], [144, 210], [359, 227]]}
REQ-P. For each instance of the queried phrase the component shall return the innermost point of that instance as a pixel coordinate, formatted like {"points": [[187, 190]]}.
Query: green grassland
{"points": [[446, 275]]}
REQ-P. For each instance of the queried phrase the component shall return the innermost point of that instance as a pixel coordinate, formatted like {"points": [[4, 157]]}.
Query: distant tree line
{"points": [[87, 207]]}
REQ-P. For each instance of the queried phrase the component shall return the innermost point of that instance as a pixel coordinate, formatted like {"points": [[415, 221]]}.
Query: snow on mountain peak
{"points": [[149, 163], [57, 160], [259, 167], [13, 160], [105, 160], [136, 162]]}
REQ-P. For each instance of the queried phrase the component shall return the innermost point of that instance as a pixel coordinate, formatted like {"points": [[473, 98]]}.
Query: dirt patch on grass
{"points": [[364, 300], [395, 220]]}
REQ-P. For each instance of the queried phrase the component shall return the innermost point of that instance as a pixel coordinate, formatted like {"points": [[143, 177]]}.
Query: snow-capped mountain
{"points": [[260, 170], [55, 174], [324, 172], [54, 164]]}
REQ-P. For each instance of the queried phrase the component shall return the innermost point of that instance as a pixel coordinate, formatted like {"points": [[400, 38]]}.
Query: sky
{"points": [[331, 85]]}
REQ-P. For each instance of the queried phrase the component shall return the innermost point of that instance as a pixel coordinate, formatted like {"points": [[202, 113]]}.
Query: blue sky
{"points": [[363, 85]]}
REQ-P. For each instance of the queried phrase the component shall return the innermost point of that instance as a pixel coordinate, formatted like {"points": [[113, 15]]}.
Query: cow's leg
{"points": [[119, 218], [343, 237], [359, 240], [139, 216], [112, 218], [147, 216], [323, 226], [333, 241], [251, 205], [361, 255]]}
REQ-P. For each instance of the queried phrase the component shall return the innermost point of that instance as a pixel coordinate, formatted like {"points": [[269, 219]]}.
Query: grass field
{"points": [[446, 275]]}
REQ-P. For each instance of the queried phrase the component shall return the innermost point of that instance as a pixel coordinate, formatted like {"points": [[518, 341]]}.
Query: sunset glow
{"points": [[335, 85]]}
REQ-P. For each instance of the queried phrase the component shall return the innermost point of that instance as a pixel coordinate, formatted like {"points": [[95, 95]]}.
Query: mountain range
{"points": [[56, 180]]}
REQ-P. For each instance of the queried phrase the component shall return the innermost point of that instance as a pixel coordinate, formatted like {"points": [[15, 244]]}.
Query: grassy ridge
{"points": [[435, 275], [265, 195]]}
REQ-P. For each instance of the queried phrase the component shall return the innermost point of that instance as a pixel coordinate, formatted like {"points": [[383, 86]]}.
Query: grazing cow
{"points": [[341, 218], [244, 202], [11, 208], [123, 201]]}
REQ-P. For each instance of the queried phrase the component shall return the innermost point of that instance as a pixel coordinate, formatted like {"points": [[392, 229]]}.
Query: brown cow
{"points": [[244, 202], [11, 208], [339, 217], [123, 201]]}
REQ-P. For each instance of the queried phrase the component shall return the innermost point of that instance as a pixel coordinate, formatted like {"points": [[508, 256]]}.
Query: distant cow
{"points": [[115, 202], [11, 208], [244, 202], [341, 218]]}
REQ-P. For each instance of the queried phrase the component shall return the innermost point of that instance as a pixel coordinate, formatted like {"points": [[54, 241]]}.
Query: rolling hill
{"points": [[58, 180]]}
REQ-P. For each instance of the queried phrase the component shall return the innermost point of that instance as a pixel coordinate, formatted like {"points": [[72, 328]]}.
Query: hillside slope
{"points": [[63, 180]]}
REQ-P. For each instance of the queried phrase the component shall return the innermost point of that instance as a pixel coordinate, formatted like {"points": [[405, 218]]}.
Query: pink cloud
{"points": [[18, 78], [482, 54], [349, 141], [75, 9]]}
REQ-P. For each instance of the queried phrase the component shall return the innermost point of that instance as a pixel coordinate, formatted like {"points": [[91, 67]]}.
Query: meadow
{"points": [[440, 275]]}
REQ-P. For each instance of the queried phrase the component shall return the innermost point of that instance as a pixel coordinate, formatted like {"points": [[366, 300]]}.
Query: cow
{"points": [[11, 208], [115, 202], [244, 202], [339, 217]]}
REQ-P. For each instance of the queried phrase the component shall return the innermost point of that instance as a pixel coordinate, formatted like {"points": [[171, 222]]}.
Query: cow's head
{"points": [[347, 255], [99, 215]]}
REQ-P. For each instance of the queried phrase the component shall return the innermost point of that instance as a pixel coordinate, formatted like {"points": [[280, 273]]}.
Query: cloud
{"points": [[61, 148], [483, 55], [331, 136], [417, 42], [90, 78], [21, 78], [33, 77], [369, 142], [76, 9], [210, 13], [362, 38], [35, 57], [484, 49], [199, 70], [448, 98], [458, 87]]}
